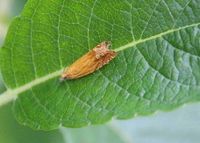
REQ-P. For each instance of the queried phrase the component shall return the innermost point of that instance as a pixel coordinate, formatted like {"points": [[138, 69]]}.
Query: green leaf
{"points": [[157, 67]]}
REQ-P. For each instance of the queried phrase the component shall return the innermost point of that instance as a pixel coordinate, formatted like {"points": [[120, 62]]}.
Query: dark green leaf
{"points": [[157, 67]]}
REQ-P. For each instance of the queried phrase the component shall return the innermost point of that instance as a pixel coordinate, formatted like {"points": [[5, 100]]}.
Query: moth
{"points": [[90, 62]]}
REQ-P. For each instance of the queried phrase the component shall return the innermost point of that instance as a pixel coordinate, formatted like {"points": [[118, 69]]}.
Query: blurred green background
{"points": [[179, 126]]}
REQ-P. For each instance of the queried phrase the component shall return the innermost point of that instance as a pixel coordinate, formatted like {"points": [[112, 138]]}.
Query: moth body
{"points": [[90, 62]]}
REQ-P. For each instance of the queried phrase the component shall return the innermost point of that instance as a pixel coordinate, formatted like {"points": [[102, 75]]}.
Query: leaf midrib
{"points": [[21, 89], [134, 43]]}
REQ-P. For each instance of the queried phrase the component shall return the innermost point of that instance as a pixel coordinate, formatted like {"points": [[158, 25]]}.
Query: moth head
{"points": [[104, 45], [102, 49]]}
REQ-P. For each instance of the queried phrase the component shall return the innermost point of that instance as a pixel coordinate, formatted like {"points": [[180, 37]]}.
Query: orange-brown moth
{"points": [[90, 62]]}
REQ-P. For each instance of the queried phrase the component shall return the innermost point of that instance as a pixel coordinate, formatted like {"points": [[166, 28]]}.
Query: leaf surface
{"points": [[157, 67]]}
